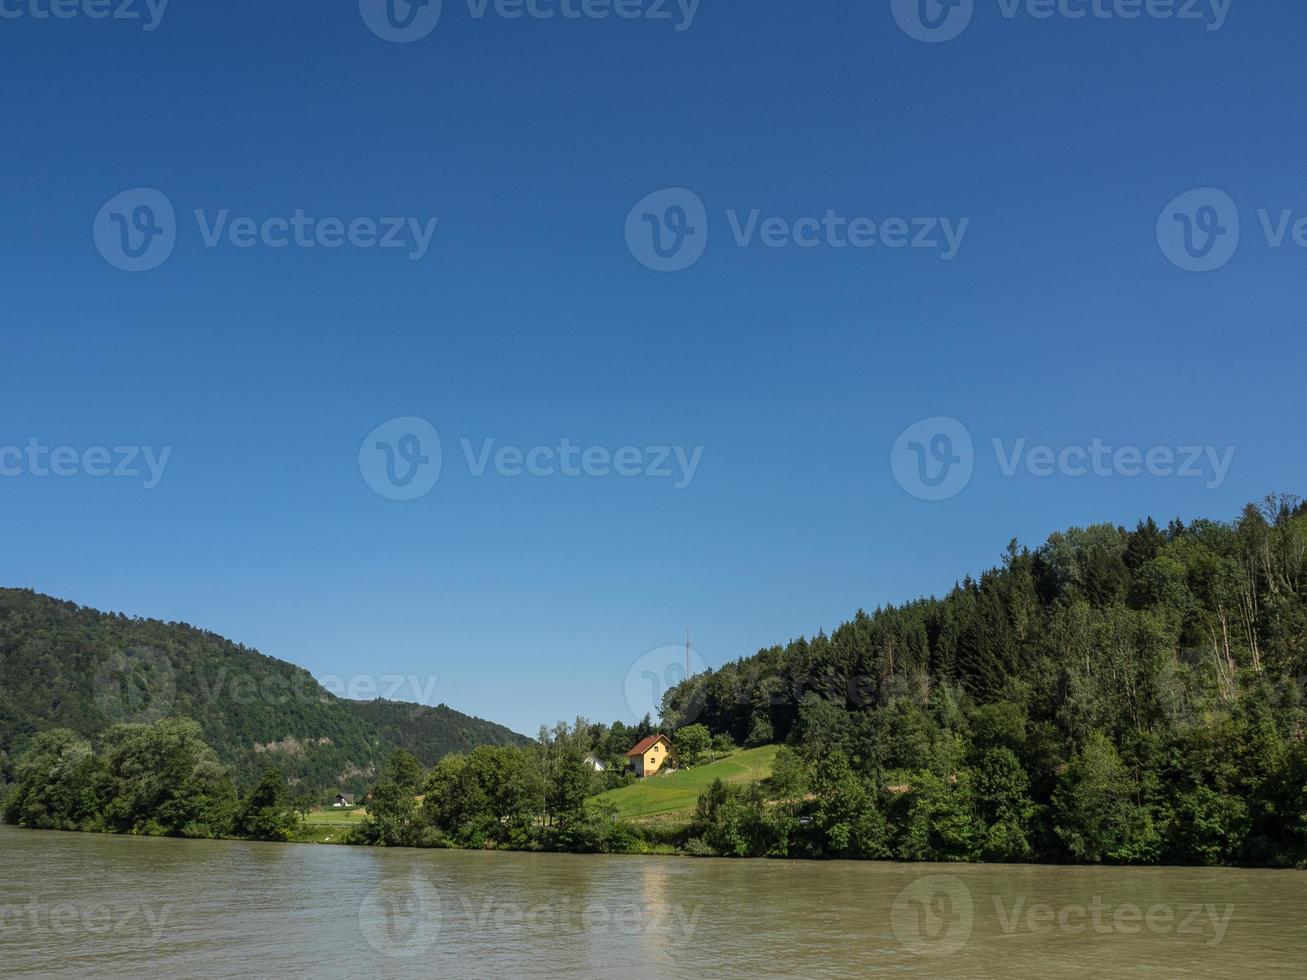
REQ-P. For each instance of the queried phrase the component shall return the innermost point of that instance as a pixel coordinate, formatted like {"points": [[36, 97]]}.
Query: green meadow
{"points": [[671, 798], [329, 825]]}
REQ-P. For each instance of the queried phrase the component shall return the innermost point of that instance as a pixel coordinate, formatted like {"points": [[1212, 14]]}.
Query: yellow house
{"points": [[652, 754]]}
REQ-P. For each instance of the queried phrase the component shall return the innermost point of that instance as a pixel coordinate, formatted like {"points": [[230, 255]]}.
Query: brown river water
{"points": [[83, 905]]}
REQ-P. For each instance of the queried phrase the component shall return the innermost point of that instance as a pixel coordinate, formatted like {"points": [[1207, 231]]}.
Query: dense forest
{"points": [[1114, 696], [64, 666]]}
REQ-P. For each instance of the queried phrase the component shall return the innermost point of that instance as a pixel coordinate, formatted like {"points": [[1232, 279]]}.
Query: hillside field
{"points": [[329, 825], [672, 798]]}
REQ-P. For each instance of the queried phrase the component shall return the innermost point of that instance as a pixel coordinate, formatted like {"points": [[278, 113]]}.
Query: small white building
{"points": [[595, 764]]}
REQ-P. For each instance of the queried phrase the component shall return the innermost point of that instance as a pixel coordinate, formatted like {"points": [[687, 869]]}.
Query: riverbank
{"points": [[649, 846], [767, 801]]}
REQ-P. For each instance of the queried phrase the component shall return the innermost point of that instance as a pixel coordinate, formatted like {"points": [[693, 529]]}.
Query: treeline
{"points": [[156, 779], [162, 779], [533, 797], [1115, 696]]}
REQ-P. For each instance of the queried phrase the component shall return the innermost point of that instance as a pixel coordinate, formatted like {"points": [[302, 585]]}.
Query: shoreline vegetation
{"points": [[1113, 697]]}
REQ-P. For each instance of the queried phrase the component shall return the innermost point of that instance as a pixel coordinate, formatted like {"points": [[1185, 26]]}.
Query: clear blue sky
{"points": [[529, 320]]}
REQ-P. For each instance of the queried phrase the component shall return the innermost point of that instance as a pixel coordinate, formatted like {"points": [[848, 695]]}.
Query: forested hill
{"points": [[1139, 693], [68, 666], [1100, 627]]}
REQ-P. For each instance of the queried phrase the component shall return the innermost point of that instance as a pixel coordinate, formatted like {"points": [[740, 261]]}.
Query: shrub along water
{"points": [[158, 779]]}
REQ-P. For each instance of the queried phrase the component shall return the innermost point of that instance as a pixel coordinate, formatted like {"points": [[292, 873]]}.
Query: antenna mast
{"points": [[687, 652]]}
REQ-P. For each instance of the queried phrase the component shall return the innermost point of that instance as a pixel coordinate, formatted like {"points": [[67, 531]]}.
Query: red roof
{"points": [[643, 745]]}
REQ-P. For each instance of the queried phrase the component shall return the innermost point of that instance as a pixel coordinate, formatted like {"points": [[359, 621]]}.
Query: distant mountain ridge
{"points": [[68, 666]]}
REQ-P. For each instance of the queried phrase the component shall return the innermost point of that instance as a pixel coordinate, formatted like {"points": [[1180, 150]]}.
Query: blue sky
{"points": [[1063, 318]]}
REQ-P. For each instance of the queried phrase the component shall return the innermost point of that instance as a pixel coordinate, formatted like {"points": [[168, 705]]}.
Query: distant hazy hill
{"points": [[68, 666]]}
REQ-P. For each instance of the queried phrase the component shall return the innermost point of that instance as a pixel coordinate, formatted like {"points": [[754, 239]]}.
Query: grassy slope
{"points": [[329, 825], [672, 798]]}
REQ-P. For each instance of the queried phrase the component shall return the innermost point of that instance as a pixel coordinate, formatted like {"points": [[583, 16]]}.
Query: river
{"points": [[79, 905]]}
